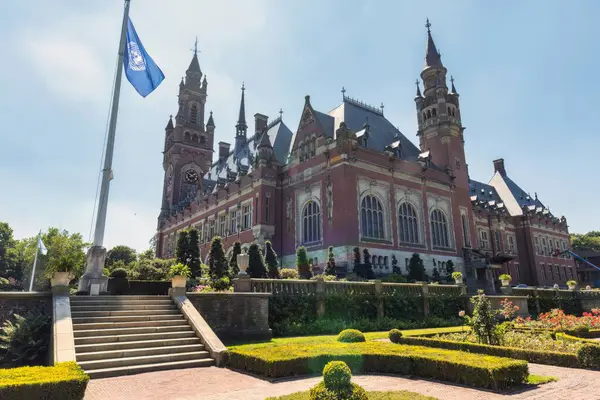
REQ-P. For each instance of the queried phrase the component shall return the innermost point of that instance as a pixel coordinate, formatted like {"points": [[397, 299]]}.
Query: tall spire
{"points": [[241, 126], [211, 121], [452, 89], [418, 89], [193, 71], [432, 55]]}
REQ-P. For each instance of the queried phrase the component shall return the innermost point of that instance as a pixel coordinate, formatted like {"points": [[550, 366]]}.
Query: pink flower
{"points": [[461, 313]]}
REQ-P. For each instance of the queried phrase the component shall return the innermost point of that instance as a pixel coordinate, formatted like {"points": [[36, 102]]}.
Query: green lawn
{"points": [[401, 395], [332, 338], [539, 379]]}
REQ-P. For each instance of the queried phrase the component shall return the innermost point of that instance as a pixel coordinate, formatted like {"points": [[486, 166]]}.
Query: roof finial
{"points": [[418, 88], [280, 113], [196, 46], [243, 87], [381, 106], [428, 25], [453, 89], [343, 92]]}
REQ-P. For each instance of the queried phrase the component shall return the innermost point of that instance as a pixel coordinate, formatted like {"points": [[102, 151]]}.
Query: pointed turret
{"points": [[211, 121], [419, 95], [433, 59], [265, 141], [452, 88], [241, 126], [169, 126], [193, 73]]}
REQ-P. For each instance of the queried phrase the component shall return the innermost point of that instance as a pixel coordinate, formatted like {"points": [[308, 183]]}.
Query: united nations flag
{"points": [[141, 70]]}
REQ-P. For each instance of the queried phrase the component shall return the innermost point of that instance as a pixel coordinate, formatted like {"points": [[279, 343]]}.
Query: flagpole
{"points": [[37, 250], [97, 254]]}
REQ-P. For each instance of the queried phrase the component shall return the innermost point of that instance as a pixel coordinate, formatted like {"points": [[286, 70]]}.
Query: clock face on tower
{"points": [[191, 176]]}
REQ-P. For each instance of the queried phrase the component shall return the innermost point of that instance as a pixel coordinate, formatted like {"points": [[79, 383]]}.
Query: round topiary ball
{"points": [[352, 392], [337, 375], [351, 336], [395, 335], [119, 273]]}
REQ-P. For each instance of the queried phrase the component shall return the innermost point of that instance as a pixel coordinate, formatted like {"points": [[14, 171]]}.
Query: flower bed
{"points": [[557, 319], [283, 360]]}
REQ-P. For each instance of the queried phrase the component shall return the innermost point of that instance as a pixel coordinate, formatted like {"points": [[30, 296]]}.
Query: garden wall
{"points": [[235, 316], [21, 302]]}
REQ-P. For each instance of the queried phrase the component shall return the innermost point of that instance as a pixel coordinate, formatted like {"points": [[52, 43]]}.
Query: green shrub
{"points": [[337, 375], [581, 331], [289, 273], [282, 360], [221, 284], [351, 336], [395, 335], [180, 269], [64, 381], [589, 356], [534, 356], [120, 273], [26, 339], [352, 392]]}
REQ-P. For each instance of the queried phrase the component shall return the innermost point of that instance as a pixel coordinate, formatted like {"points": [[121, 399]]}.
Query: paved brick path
{"points": [[223, 384]]}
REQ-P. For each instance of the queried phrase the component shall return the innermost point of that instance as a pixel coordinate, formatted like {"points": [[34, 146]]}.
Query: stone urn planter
{"points": [[178, 281], [61, 279], [505, 282], [572, 285]]}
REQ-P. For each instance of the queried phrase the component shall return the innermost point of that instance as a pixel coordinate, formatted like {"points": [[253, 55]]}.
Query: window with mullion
{"points": [[439, 229], [408, 224], [311, 223], [372, 226]]}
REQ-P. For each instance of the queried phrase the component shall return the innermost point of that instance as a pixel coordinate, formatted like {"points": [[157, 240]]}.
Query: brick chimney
{"points": [[499, 166], [223, 150], [260, 122]]}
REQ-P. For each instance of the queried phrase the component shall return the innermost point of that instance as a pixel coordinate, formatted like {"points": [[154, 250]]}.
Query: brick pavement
{"points": [[223, 384]]}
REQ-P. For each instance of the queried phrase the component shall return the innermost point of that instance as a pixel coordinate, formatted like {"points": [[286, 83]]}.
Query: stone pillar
{"points": [[507, 290], [378, 293], [320, 291], [425, 291], [94, 271], [243, 283]]}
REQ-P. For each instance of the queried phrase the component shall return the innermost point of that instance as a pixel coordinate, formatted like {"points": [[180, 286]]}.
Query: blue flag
{"points": [[141, 70]]}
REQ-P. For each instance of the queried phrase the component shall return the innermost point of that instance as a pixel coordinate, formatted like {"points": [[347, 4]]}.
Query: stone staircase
{"points": [[119, 335]]}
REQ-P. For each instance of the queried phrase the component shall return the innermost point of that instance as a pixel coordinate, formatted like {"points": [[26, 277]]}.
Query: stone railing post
{"points": [[320, 291], [243, 283], [63, 341], [425, 291], [379, 294], [506, 290], [537, 301]]}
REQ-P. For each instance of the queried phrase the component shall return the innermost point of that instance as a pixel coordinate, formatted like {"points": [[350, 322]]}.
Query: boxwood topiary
{"points": [[395, 335], [337, 375], [119, 273], [581, 331], [353, 392], [589, 355], [351, 336]]}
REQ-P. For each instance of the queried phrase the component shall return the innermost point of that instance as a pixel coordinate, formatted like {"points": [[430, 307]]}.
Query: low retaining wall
{"points": [[234, 316], [22, 302]]}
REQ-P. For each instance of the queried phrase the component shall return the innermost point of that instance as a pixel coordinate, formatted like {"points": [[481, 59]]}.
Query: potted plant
{"points": [[179, 274], [571, 284], [505, 278], [457, 276], [61, 263]]}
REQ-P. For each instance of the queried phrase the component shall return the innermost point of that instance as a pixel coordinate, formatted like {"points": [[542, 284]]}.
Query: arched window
{"points": [[385, 261], [428, 113], [311, 223], [195, 138], [194, 113], [424, 116], [202, 139], [439, 229], [408, 224], [374, 261], [433, 112], [313, 146], [465, 226], [186, 136], [371, 212], [380, 261]]}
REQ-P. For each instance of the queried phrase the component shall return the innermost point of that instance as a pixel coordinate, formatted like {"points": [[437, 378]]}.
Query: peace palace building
{"points": [[348, 178]]}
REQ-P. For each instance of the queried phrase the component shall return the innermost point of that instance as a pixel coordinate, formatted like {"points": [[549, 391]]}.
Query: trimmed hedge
{"points": [[64, 381], [589, 356], [534, 356], [272, 360], [395, 335], [351, 336]]}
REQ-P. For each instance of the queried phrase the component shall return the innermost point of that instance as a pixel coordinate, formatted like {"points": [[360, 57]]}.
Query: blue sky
{"points": [[524, 70]]}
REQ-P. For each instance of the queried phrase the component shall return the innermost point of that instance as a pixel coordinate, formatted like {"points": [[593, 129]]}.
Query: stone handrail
{"points": [[62, 341]]}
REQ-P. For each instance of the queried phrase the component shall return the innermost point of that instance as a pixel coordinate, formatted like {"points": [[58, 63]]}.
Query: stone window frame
{"points": [[193, 112], [416, 223], [301, 196], [512, 247], [234, 213], [212, 228], [536, 242], [380, 203], [319, 218], [544, 246], [244, 214], [222, 224], [442, 223], [465, 227], [484, 242], [444, 204]]}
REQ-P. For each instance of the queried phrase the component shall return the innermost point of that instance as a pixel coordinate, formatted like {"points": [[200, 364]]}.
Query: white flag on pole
{"points": [[41, 246]]}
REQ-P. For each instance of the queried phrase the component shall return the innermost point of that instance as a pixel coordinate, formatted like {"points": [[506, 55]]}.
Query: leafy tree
{"points": [[147, 255], [484, 322], [358, 266], [271, 261], [188, 250], [151, 270], [65, 252], [449, 267], [586, 242], [256, 262], [302, 263], [367, 266], [9, 262], [330, 267], [416, 269], [436, 275], [120, 253], [217, 263], [395, 268], [234, 268]]}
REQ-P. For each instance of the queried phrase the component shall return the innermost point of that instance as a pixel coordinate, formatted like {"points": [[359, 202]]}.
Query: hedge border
{"points": [[592, 334], [534, 356], [376, 359], [64, 381]]}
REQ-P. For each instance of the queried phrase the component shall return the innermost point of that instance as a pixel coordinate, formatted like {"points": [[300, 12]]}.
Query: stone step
{"points": [[123, 307], [144, 351], [140, 344], [120, 298], [131, 331], [129, 324], [137, 369], [141, 360], [114, 303], [134, 337], [115, 313], [126, 318]]}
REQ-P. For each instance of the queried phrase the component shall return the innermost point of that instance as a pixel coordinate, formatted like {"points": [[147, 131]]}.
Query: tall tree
{"points": [[181, 251], [449, 267], [194, 252], [302, 263], [368, 267], [8, 253], [234, 268], [330, 268], [395, 268], [416, 268], [120, 253], [256, 262], [586, 242], [358, 265], [271, 261], [217, 263], [147, 255]]}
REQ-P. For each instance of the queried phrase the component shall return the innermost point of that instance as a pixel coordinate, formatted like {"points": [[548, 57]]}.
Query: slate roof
{"points": [[484, 195], [522, 197], [381, 131]]}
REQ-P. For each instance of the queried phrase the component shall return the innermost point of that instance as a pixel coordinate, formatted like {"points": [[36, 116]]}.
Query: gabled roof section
{"points": [[381, 131], [485, 196]]}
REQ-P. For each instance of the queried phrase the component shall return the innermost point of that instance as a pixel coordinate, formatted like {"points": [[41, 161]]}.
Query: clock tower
{"points": [[188, 143]]}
